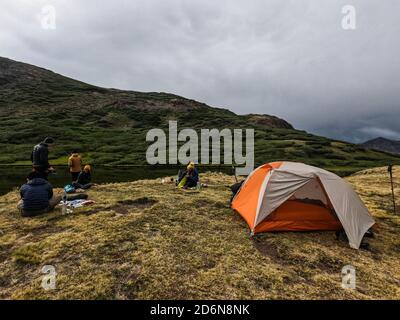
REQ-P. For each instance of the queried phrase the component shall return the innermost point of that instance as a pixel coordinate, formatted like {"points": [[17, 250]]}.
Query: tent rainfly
{"points": [[291, 196]]}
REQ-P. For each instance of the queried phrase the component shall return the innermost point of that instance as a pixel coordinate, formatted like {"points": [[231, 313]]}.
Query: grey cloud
{"points": [[287, 58]]}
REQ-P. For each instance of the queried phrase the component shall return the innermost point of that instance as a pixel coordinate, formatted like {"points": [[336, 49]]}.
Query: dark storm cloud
{"points": [[287, 58]]}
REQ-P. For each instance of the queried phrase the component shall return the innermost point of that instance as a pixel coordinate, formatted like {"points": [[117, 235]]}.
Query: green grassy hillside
{"points": [[110, 125]]}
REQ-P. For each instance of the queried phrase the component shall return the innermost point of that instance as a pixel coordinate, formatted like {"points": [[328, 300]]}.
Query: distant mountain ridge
{"points": [[383, 144], [27, 84], [109, 126]]}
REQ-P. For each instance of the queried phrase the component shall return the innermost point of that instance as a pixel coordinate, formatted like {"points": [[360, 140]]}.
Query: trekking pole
{"points": [[390, 170]]}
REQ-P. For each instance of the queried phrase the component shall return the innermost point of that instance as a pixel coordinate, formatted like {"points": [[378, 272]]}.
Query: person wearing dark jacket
{"points": [[84, 179], [37, 196], [191, 175], [40, 157]]}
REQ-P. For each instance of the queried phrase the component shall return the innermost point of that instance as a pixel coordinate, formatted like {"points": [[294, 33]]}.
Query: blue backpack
{"points": [[69, 188]]}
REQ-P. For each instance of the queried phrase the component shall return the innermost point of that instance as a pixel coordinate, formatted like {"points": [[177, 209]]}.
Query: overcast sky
{"points": [[289, 58]]}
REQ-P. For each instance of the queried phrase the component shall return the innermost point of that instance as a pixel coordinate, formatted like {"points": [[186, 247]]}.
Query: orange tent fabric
{"points": [[298, 216], [248, 206], [291, 196]]}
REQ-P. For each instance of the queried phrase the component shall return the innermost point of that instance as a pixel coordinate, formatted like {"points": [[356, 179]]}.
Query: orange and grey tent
{"points": [[291, 196]]}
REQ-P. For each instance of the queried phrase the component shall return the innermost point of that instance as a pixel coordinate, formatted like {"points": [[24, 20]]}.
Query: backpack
{"points": [[69, 188], [235, 189]]}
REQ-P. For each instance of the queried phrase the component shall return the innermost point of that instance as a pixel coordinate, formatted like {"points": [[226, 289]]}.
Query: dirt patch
{"points": [[209, 264], [281, 254], [138, 203], [119, 209], [44, 230], [5, 252], [216, 204], [390, 221], [93, 211], [268, 248], [152, 233], [395, 247], [124, 206]]}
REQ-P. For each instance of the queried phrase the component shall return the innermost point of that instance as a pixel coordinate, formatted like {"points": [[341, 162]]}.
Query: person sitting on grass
{"points": [[37, 196], [84, 179], [188, 178]]}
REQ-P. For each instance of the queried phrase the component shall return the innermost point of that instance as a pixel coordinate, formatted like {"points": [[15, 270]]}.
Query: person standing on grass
{"points": [[37, 196], [75, 165], [40, 157]]}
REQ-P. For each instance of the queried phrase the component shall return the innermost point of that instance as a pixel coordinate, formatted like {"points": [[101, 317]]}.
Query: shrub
{"points": [[335, 156]]}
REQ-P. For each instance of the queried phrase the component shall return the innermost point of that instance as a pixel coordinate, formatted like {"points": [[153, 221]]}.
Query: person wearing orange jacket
{"points": [[75, 165]]}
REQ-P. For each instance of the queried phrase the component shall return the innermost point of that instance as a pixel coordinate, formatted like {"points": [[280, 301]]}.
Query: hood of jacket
{"points": [[37, 181]]}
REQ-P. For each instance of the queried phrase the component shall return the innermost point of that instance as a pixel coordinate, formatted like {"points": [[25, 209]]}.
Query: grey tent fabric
{"points": [[351, 211], [290, 177], [281, 186]]}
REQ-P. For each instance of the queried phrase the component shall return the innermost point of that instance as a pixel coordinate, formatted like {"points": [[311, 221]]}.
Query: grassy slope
{"points": [[109, 125], [190, 245]]}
